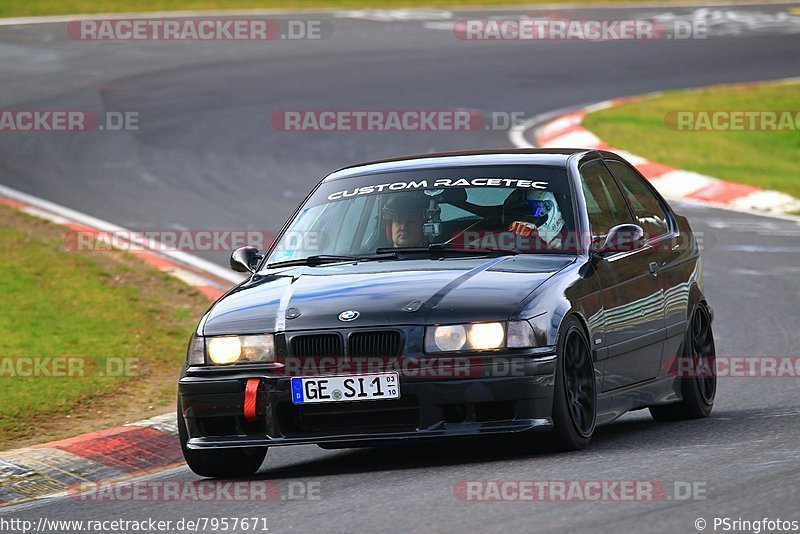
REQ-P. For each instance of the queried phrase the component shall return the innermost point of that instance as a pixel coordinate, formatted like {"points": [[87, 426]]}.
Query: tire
{"points": [[219, 463], [575, 392], [699, 389]]}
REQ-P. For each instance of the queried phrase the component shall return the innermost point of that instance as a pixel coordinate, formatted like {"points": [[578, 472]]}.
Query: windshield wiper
{"points": [[449, 249], [321, 259], [392, 253]]}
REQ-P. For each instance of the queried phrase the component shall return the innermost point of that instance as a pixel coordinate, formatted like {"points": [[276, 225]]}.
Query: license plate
{"points": [[311, 390]]}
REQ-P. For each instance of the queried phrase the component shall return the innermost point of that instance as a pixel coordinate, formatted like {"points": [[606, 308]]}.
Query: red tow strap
{"points": [[250, 395]]}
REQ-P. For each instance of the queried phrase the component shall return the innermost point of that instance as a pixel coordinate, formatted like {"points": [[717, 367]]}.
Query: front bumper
{"points": [[212, 404]]}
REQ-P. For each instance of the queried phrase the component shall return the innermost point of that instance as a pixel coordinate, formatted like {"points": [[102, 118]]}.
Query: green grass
{"points": [[770, 160], [90, 306], [19, 8]]}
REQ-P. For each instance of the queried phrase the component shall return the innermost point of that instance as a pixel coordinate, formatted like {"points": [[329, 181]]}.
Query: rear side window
{"points": [[604, 202], [647, 209]]}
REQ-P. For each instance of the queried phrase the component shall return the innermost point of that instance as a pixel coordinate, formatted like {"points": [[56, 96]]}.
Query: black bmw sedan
{"points": [[537, 292]]}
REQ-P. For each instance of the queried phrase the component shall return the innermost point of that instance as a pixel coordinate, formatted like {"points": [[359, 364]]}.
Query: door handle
{"points": [[654, 268]]}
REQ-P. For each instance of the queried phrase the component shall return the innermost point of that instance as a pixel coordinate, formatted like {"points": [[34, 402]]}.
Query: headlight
{"points": [[481, 336], [487, 336], [225, 350], [461, 337], [449, 338]]}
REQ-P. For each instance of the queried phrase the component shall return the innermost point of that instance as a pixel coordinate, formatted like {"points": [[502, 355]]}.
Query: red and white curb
{"points": [[566, 131], [128, 451], [64, 467]]}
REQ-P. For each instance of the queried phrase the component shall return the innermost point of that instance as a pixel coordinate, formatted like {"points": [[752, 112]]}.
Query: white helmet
{"points": [[549, 220]]}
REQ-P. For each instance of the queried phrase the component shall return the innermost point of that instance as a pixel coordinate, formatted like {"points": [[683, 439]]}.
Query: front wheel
{"points": [[698, 354], [574, 398], [219, 463]]}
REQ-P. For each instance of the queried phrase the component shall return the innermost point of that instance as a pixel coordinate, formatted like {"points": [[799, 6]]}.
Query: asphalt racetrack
{"points": [[206, 156]]}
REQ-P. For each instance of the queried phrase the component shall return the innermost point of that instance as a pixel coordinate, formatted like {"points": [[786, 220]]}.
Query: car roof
{"points": [[527, 156]]}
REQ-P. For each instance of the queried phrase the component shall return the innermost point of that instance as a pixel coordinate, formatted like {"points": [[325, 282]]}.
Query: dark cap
{"points": [[405, 204]]}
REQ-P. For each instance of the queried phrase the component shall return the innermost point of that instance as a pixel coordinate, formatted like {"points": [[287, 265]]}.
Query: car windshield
{"points": [[512, 209]]}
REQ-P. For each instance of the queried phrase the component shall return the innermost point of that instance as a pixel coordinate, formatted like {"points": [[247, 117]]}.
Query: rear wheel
{"points": [[700, 387], [219, 463], [574, 398]]}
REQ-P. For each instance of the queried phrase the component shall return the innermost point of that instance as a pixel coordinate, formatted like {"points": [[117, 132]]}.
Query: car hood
{"points": [[391, 292]]}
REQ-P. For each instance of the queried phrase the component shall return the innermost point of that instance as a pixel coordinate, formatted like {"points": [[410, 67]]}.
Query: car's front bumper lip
{"points": [[209, 396], [445, 430]]}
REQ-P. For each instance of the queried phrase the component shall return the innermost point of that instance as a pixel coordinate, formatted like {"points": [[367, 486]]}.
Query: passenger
{"points": [[538, 216]]}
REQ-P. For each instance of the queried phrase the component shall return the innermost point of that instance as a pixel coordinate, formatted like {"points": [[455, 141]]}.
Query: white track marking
{"points": [[81, 218]]}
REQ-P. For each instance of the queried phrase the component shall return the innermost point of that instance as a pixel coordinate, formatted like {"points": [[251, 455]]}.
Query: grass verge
{"points": [[115, 331], [24, 8], [767, 159]]}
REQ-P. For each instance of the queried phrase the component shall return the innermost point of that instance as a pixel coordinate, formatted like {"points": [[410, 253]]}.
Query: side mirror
{"points": [[245, 259], [623, 238]]}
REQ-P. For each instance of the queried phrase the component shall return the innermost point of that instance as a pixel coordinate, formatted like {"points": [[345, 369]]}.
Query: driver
{"points": [[540, 217], [405, 217]]}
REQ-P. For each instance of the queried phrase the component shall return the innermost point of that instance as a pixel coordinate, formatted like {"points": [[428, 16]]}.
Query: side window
{"points": [[604, 202], [649, 212]]}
